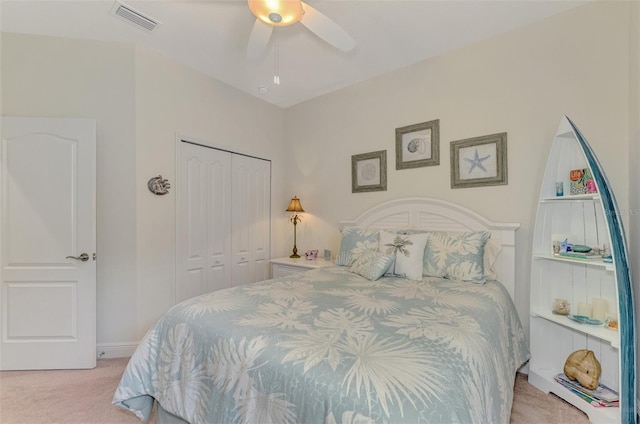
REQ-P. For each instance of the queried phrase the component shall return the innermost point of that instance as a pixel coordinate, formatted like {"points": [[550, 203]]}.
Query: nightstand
{"points": [[287, 266]]}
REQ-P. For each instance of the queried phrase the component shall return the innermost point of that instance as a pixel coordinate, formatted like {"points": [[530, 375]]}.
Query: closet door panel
{"points": [[261, 237], [251, 188], [219, 216], [241, 221], [205, 245], [195, 255]]}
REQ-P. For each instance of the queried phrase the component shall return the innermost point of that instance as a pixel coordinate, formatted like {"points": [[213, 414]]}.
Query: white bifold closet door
{"points": [[224, 231]]}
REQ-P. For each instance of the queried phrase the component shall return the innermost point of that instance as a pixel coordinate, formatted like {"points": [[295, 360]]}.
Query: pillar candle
{"points": [[584, 308], [599, 308]]}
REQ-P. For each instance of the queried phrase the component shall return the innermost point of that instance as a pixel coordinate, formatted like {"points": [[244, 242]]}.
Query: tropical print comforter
{"points": [[329, 346]]}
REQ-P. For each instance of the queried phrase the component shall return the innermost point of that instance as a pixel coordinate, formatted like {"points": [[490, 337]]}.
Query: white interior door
{"points": [[48, 215]]}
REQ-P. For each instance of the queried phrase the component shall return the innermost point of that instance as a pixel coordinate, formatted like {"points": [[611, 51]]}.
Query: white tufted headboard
{"points": [[438, 215]]}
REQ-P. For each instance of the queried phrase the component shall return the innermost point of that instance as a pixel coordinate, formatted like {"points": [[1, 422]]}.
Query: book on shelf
{"points": [[578, 255], [602, 396], [581, 182]]}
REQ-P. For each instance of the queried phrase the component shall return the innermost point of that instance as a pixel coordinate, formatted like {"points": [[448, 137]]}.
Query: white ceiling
{"points": [[212, 35]]}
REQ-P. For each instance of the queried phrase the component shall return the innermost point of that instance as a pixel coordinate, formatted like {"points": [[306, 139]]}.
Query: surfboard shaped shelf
{"points": [[577, 207]]}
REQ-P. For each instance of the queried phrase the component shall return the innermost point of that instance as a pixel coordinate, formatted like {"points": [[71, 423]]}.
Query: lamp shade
{"points": [[280, 12], [295, 206]]}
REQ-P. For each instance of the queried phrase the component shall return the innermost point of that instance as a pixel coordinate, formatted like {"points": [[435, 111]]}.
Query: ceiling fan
{"points": [[272, 13]]}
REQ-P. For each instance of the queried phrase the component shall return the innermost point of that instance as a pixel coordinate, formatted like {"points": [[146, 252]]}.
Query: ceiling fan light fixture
{"points": [[277, 12]]}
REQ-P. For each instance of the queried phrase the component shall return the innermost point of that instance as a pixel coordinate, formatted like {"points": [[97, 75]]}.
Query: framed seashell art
{"points": [[418, 145], [369, 172]]}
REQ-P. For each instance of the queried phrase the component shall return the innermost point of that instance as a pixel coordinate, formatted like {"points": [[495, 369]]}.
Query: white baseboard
{"points": [[115, 350]]}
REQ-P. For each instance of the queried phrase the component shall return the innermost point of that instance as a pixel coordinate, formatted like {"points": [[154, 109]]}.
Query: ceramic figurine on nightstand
{"points": [[311, 255]]}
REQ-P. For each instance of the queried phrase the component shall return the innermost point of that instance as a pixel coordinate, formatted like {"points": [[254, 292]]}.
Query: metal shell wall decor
{"points": [[158, 185]]}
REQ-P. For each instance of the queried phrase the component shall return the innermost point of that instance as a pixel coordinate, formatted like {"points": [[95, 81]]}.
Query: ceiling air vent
{"points": [[133, 16]]}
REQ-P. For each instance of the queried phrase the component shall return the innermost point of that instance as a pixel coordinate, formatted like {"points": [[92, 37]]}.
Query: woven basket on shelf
{"points": [[582, 365]]}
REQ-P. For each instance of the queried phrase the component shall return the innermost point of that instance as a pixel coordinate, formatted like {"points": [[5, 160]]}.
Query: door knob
{"points": [[83, 257]]}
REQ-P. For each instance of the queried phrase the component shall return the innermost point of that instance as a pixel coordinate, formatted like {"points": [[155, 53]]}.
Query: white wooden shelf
{"points": [[588, 262], [571, 198], [544, 380], [598, 331], [586, 219]]}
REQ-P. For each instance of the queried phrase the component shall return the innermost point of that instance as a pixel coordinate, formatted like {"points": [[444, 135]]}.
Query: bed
{"points": [[368, 340]]}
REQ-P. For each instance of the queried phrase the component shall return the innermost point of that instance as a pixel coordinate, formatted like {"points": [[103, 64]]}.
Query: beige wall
{"points": [[170, 99], [580, 63], [522, 82], [59, 77], [141, 101]]}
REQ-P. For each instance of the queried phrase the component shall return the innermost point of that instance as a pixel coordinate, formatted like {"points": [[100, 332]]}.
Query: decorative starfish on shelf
{"points": [[565, 246]]}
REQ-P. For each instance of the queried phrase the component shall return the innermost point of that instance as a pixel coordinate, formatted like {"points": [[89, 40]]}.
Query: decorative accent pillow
{"points": [[372, 265], [456, 255], [356, 241], [408, 250], [491, 251]]}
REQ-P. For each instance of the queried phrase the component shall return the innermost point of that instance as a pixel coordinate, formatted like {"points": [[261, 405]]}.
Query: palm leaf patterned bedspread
{"points": [[328, 346]]}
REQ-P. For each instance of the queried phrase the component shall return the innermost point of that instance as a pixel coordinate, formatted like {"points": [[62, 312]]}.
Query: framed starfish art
{"points": [[479, 161]]}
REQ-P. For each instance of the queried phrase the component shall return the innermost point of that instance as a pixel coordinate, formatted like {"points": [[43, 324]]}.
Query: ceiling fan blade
{"points": [[258, 40], [326, 29]]}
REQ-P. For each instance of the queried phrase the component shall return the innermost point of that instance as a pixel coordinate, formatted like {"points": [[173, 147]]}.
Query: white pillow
{"points": [[409, 252], [491, 251]]}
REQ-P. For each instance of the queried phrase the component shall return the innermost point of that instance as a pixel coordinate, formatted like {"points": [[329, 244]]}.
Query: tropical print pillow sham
{"points": [[456, 255], [356, 241]]}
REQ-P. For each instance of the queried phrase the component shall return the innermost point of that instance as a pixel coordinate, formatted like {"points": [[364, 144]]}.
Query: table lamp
{"points": [[295, 207]]}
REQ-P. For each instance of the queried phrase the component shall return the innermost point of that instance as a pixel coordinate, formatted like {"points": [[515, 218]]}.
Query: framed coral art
{"points": [[479, 161], [418, 145], [369, 172]]}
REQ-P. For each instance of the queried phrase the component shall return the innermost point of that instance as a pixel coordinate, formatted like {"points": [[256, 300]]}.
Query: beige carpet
{"points": [[531, 406], [84, 396]]}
